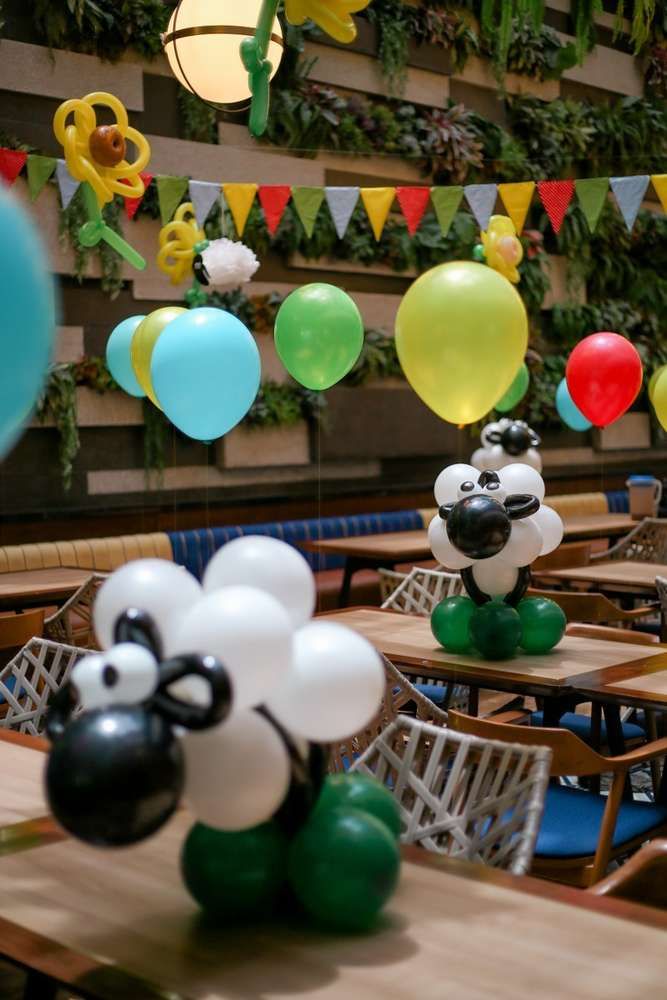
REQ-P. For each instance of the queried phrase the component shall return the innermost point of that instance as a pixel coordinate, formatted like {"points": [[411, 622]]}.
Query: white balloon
{"points": [[162, 589], [532, 457], [521, 478], [494, 576], [496, 458], [335, 686], [270, 565], [236, 774], [524, 545], [126, 674], [249, 632], [442, 548], [551, 528], [480, 459], [447, 484]]}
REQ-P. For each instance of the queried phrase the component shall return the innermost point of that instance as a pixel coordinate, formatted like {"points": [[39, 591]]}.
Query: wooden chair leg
{"points": [[596, 741], [652, 735], [473, 702]]}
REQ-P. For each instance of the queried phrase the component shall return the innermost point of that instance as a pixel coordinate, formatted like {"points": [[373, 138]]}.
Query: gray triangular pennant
{"points": [[342, 202], [66, 183], [482, 200], [203, 195], [629, 193]]}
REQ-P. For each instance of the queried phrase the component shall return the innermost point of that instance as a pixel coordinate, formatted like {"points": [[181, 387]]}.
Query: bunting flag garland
{"points": [[12, 162], [342, 202], [629, 193], [591, 195], [659, 182], [132, 204], [203, 195], [377, 202], [556, 196], [517, 198], [40, 170], [446, 202], [307, 202], [240, 199], [273, 199], [66, 183], [170, 191], [482, 201], [413, 202]]}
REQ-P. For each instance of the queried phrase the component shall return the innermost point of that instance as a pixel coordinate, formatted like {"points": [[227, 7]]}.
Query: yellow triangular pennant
{"points": [[377, 202], [516, 199], [660, 185], [239, 197]]}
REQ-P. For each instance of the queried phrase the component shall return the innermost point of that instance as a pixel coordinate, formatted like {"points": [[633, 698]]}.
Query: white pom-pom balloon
{"points": [[249, 632], [335, 685], [447, 484], [524, 544], [551, 528], [229, 264], [495, 577], [162, 589], [522, 478], [126, 674], [270, 565], [236, 774], [441, 547]]}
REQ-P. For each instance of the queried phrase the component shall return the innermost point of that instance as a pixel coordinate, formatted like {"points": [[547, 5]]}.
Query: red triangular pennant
{"points": [[413, 202], [132, 204], [12, 163], [556, 196], [273, 199]]}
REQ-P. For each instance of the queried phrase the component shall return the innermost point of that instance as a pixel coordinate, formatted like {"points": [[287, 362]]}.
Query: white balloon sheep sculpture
{"points": [[506, 441], [215, 692], [491, 526]]}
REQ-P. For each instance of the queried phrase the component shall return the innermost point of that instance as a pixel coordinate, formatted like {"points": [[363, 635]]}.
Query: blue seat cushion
{"points": [[437, 693], [571, 821], [580, 725], [618, 501]]}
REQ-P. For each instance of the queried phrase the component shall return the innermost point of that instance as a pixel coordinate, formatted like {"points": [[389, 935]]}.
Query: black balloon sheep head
{"points": [[479, 525]]}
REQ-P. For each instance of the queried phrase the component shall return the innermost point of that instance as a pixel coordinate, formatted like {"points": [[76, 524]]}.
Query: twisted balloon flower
{"points": [[179, 244], [502, 248], [332, 16]]}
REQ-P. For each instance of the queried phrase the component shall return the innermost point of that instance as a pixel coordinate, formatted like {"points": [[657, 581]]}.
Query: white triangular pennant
{"points": [[342, 202], [629, 193], [482, 201], [203, 195], [66, 183]]}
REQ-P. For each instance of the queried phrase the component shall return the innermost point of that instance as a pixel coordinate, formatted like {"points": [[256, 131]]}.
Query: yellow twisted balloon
{"points": [[332, 16], [96, 154], [502, 248], [177, 244]]}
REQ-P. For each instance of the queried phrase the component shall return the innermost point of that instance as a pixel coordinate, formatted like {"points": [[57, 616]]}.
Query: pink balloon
{"points": [[604, 376]]}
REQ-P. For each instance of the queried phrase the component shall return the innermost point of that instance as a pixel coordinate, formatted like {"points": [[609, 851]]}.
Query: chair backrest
{"points": [[642, 879], [645, 543], [460, 795], [578, 504], [29, 680], [612, 634], [565, 557], [17, 630], [422, 589], [390, 579], [73, 622], [586, 607]]}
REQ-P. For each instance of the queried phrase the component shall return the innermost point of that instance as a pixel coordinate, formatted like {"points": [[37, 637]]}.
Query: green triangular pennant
{"points": [[170, 191], [592, 194], [40, 168], [446, 201], [307, 201]]}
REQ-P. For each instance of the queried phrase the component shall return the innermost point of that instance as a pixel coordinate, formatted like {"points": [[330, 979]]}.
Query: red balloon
{"points": [[604, 376]]}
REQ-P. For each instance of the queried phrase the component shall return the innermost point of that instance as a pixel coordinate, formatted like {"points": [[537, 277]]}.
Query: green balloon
{"points": [[543, 624], [495, 630], [344, 866], [450, 623], [319, 335], [516, 391], [235, 875], [360, 791]]}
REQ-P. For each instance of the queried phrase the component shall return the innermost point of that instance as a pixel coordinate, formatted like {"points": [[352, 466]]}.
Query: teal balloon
{"points": [[516, 391], [27, 319], [543, 624], [205, 371], [319, 335], [119, 359], [450, 623], [495, 630], [568, 411]]}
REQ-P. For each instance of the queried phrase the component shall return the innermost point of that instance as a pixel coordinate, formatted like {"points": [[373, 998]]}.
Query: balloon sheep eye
{"points": [[110, 676], [467, 487], [493, 486]]}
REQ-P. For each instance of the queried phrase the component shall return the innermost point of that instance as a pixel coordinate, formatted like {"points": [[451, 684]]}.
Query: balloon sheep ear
{"points": [[520, 505], [445, 510], [138, 627], [494, 437]]}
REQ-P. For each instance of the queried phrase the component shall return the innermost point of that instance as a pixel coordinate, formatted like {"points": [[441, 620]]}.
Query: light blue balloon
{"points": [[205, 371], [119, 359], [568, 411], [27, 319]]}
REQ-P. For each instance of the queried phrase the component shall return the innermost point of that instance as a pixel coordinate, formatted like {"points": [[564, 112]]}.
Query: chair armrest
{"points": [[646, 609], [648, 752]]}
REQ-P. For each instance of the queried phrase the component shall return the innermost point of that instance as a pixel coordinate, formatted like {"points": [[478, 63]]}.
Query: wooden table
{"points": [[585, 526], [34, 588], [614, 576]]}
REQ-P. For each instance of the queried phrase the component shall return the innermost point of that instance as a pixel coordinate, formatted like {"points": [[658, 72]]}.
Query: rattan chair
{"points": [[471, 798], [29, 680], [420, 591], [73, 622], [645, 543]]}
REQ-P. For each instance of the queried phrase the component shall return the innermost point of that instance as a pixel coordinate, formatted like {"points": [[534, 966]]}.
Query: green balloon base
{"points": [[497, 630]]}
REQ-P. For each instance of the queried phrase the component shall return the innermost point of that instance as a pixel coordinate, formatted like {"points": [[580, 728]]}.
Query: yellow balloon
{"points": [[654, 378], [461, 336], [659, 399], [144, 340]]}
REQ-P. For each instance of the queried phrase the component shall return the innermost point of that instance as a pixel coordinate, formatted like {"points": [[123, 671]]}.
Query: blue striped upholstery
{"points": [[618, 501], [195, 547]]}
